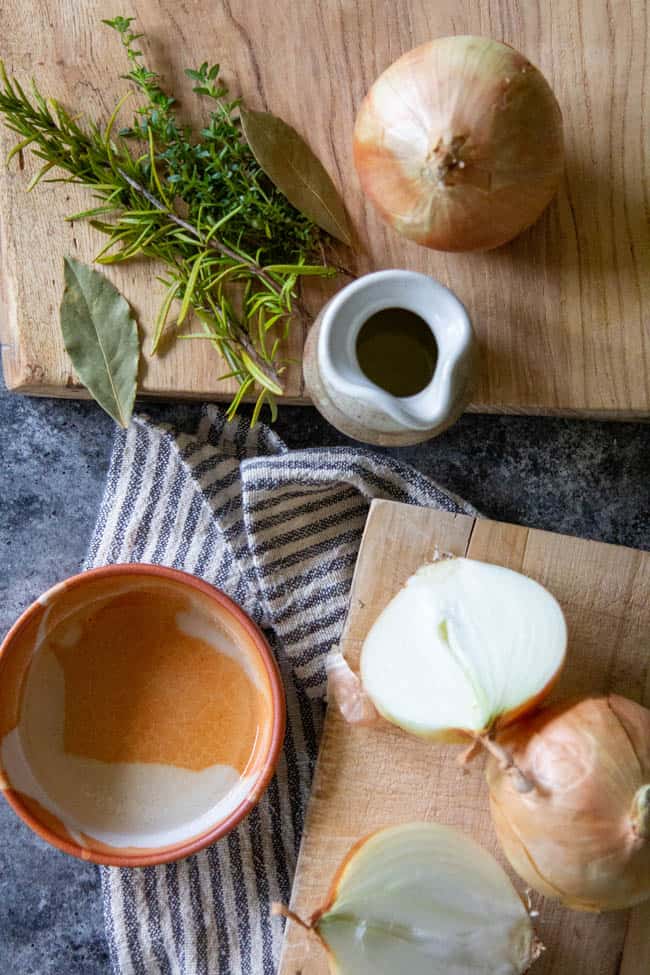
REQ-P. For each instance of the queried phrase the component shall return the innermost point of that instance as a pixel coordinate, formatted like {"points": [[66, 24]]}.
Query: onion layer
{"points": [[582, 832], [459, 144], [423, 898]]}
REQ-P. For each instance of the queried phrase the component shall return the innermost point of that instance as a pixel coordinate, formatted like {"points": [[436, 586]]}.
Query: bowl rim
{"points": [[186, 848]]}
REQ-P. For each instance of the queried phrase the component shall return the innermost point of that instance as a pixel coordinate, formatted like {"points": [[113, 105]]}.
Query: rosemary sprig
{"points": [[232, 247]]}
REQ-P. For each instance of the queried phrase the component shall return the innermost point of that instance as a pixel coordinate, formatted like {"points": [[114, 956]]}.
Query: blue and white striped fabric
{"points": [[278, 531]]}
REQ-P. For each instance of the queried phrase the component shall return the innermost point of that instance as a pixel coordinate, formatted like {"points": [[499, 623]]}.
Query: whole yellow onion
{"points": [[574, 822], [459, 144]]}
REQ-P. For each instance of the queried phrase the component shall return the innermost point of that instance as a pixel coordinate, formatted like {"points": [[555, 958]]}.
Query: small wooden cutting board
{"points": [[563, 312], [367, 778]]}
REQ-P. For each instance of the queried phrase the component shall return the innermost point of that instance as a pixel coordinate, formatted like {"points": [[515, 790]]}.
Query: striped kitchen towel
{"points": [[278, 531]]}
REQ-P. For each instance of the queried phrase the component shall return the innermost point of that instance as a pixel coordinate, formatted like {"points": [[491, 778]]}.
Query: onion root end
{"points": [[520, 780]]}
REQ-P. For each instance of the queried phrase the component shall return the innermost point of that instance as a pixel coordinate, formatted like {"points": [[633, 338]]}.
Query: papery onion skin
{"points": [[344, 687], [458, 144], [582, 833]]}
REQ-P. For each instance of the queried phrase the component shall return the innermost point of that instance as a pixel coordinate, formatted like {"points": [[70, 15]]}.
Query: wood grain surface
{"points": [[562, 312], [367, 778]]}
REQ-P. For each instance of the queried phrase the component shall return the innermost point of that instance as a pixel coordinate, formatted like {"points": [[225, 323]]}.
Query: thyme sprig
{"points": [[232, 247]]}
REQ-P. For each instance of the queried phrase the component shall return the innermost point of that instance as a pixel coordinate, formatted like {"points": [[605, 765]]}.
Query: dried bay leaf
{"points": [[288, 161], [101, 337]]}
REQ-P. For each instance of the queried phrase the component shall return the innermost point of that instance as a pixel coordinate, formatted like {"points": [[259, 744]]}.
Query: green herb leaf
{"points": [[101, 338], [287, 160], [199, 205]]}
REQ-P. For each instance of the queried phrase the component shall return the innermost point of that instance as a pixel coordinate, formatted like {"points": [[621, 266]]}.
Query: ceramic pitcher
{"points": [[356, 405]]}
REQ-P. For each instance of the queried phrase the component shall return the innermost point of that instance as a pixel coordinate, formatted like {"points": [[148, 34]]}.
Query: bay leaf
{"points": [[101, 337], [288, 161]]}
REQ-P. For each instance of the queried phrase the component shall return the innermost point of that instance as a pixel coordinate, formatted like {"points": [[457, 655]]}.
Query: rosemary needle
{"points": [[232, 247]]}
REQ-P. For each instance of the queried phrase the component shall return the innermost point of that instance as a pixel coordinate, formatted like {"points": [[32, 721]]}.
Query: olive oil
{"points": [[396, 350]]}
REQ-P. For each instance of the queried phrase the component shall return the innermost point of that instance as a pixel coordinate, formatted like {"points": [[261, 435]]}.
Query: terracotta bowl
{"points": [[141, 715]]}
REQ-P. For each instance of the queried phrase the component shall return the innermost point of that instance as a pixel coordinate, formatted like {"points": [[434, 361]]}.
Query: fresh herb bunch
{"points": [[232, 245]]}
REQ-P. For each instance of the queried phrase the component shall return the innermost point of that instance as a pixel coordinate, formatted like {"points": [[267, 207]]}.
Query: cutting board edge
{"points": [[22, 383], [75, 392], [377, 503]]}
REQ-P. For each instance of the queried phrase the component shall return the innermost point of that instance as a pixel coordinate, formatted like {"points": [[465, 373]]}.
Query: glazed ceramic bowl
{"points": [[141, 715]]}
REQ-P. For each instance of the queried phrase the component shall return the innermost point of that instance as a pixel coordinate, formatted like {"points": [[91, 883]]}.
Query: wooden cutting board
{"points": [[367, 778], [563, 312]]}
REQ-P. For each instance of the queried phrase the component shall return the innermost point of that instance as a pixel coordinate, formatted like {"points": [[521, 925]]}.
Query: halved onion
{"points": [[423, 898], [464, 648]]}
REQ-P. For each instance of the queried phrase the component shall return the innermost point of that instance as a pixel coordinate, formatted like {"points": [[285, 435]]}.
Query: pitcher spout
{"points": [[410, 415]]}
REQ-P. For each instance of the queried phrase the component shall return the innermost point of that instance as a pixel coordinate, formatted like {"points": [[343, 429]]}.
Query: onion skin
{"points": [[582, 833], [527, 707], [335, 883], [458, 144]]}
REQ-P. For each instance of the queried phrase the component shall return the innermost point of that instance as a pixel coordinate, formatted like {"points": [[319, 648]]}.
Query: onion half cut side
{"points": [[464, 648], [422, 898]]}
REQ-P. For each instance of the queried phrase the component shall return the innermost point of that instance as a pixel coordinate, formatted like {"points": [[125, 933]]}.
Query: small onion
{"points": [[579, 830], [422, 898], [459, 144]]}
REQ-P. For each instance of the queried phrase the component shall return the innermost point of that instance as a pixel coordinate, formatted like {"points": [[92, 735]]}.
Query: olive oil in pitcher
{"points": [[397, 351]]}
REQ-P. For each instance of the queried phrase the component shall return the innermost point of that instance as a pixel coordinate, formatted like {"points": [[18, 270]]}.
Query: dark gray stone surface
{"points": [[583, 478], [53, 460]]}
